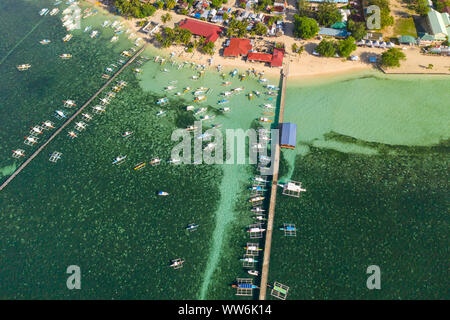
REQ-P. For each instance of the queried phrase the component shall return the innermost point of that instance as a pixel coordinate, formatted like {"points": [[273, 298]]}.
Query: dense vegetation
{"points": [[419, 6], [135, 8], [357, 29], [329, 48], [305, 27], [328, 14], [392, 57]]}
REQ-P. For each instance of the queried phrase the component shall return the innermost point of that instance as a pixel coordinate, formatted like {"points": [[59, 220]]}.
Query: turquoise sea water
{"points": [[372, 154]]}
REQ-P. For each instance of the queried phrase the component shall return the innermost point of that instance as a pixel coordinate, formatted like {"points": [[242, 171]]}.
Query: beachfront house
{"points": [[211, 32], [274, 60], [331, 32], [406, 39], [438, 24], [237, 47]]}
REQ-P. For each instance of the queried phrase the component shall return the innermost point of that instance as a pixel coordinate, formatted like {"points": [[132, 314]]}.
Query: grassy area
{"points": [[405, 26]]}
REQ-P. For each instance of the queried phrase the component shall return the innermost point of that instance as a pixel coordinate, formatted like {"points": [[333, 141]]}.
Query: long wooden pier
{"points": [[68, 121], [273, 194]]}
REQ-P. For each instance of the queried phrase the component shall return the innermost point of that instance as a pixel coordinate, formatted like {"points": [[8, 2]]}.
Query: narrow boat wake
{"points": [[20, 41]]}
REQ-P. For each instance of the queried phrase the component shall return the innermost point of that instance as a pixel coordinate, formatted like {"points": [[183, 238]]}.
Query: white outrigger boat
{"points": [[163, 193], [88, 28], [47, 125], [127, 134], [94, 34], [119, 159], [161, 113], [65, 56], [18, 153], [44, 41], [23, 67], [69, 103], [170, 88], [114, 38], [43, 12], [253, 272], [162, 101]]}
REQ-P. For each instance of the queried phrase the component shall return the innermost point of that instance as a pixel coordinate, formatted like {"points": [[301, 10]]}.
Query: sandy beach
{"points": [[303, 65]]}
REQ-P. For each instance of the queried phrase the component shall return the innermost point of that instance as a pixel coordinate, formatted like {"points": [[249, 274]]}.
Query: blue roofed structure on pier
{"points": [[288, 135]]}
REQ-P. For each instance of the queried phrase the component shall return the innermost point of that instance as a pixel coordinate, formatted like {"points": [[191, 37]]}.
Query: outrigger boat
{"points": [[161, 113], [249, 260], [69, 103], [43, 12], [127, 134], [186, 90], [65, 56], [268, 106], [72, 134], [48, 125], [140, 166], [31, 140], [272, 87], [256, 199], [114, 38], [23, 67], [257, 93], [45, 41], [177, 263], [244, 286], [262, 119], [207, 117], [87, 116], [234, 72], [67, 37], [227, 93], [258, 210], [200, 111], [54, 11], [88, 28], [60, 114], [288, 228], [225, 109], [238, 89], [191, 128], [226, 83], [192, 227], [36, 130], [119, 159], [155, 161], [94, 34], [190, 108], [256, 230], [173, 161], [253, 272], [252, 248], [18, 153], [162, 193], [162, 101], [223, 101], [200, 99], [169, 88]]}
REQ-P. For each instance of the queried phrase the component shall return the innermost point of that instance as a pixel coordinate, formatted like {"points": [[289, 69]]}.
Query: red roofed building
{"points": [[258, 56], [238, 47], [277, 58], [210, 31]]}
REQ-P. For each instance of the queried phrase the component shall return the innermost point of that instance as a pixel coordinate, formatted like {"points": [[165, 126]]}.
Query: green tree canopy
{"points": [[392, 57], [357, 29], [346, 47], [326, 48], [304, 27], [328, 14], [260, 29]]}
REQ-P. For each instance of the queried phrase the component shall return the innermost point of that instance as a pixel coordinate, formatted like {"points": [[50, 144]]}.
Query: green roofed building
{"points": [[339, 25], [438, 24], [407, 40]]}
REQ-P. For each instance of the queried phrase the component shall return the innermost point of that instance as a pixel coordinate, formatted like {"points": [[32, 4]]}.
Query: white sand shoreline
{"points": [[305, 66]]}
